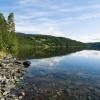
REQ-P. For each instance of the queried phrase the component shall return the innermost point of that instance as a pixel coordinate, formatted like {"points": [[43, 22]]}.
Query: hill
{"points": [[45, 41]]}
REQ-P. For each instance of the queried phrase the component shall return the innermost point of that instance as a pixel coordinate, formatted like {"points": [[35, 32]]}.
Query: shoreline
{"points": [[11, 72]]}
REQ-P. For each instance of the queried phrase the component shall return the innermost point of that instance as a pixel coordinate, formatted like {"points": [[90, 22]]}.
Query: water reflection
{"points": [[70, 77], [37, 53], [89, 53]]}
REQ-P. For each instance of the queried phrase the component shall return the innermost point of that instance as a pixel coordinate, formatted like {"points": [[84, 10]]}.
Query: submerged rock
{"points": [[26, 63]]}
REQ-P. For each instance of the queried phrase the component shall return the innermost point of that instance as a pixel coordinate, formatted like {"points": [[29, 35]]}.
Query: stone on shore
{"points": [[11, 71]]}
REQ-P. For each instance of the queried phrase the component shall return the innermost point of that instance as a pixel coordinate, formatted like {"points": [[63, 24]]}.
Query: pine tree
{"points": [[11, 34], [3, 32], [11, 24], [8, 40]]}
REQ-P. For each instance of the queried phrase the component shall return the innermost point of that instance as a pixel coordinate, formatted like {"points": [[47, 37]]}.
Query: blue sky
{"points": [[76, 19]]}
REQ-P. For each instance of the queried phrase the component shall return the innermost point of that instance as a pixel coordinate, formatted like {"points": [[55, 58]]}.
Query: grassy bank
{"points": [[2, 54]]}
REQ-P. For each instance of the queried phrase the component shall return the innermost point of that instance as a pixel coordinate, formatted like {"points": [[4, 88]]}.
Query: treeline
{"points": [[42, 46], [46, 41], [8, 41], [94, 46]]}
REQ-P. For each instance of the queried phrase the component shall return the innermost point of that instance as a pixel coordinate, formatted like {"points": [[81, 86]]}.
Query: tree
{"points": [[12, 41], [3, 32], [11, 24]]}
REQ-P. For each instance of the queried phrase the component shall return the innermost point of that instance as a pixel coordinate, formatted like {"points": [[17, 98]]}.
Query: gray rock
{"points": [[11, 72]]}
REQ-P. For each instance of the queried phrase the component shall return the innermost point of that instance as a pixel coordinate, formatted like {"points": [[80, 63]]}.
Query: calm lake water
{"points": [[75, 76]]}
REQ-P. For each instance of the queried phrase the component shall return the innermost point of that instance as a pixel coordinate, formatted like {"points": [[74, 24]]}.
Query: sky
{"points": [[75, 19]]}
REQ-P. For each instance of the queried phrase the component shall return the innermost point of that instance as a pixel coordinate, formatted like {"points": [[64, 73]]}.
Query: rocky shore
{"points": [[11, 72]]}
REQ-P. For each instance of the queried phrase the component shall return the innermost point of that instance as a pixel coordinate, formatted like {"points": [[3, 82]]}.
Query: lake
{"points": [[73, 76]]}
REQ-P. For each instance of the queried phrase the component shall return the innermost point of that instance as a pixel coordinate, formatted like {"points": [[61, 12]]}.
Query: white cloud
{"points": [[78, 8], [89, 16], [37, 16], [44, 25], [28, 1], [43, 28], [89, 38]]}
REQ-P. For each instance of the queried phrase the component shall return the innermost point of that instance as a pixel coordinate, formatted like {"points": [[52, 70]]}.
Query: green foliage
{"points": [[45, 41], [3, 32], [12, 47], [8, 40]]}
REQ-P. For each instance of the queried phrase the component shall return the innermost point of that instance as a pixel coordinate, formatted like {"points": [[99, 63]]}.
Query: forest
{"points": [[46, 41]]}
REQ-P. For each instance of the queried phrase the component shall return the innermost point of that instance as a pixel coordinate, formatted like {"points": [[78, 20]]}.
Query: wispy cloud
{"points": [[89, 16], [58, 17], [79, 8], [28, 1]]}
